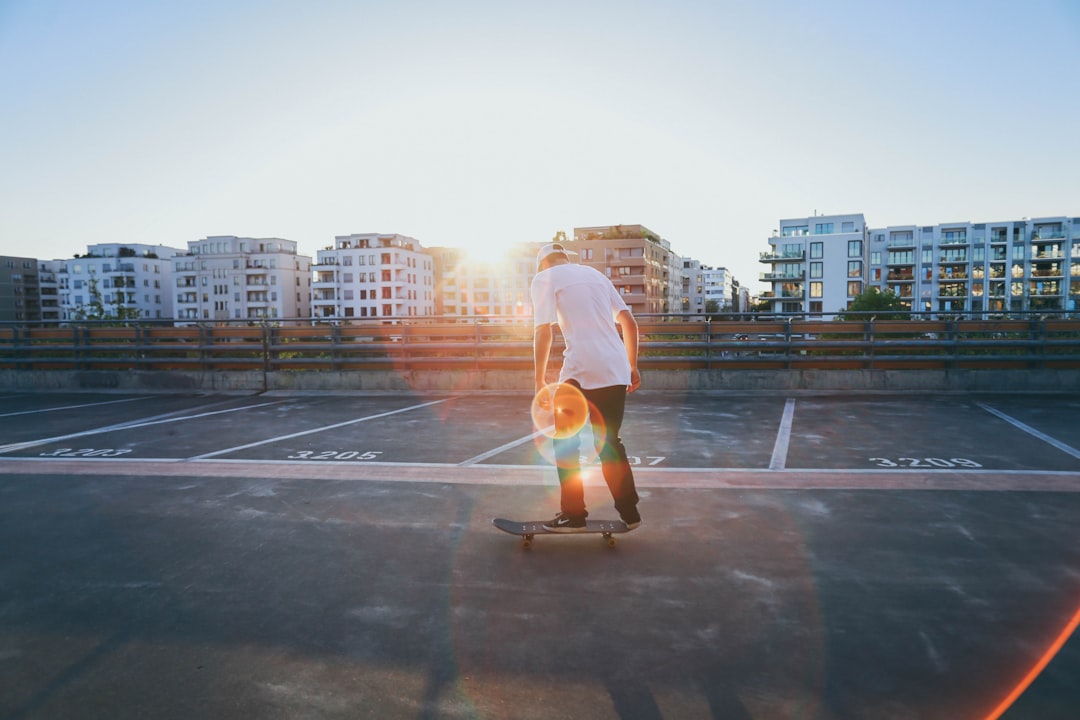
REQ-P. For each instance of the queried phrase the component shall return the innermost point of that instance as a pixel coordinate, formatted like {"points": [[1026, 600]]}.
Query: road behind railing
{"points": [[668, 342]]}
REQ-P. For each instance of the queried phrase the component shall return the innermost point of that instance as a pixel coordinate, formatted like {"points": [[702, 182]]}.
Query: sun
{"points": [[485, 252]]}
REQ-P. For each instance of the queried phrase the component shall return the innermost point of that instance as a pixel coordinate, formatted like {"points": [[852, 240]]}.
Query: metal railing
{"points": [[676, 342]]}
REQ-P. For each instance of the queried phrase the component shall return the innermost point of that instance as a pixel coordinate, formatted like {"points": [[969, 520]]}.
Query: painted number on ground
{"points": [[634, 459], [86, 452], [925, 463], [335, 455]]}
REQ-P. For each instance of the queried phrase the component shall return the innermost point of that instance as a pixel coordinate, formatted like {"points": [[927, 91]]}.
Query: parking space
{"points": [[663, 431], [952, 433], [332, 556]]}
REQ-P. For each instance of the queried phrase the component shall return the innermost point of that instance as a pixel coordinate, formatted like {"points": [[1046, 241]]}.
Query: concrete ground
{"points": [[280, 556]]}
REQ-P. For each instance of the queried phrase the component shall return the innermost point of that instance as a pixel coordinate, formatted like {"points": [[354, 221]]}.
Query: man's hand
{"points": [[635, 380]]}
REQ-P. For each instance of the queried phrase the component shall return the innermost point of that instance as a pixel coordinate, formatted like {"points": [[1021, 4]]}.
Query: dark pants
{"points": [[606, 407]]}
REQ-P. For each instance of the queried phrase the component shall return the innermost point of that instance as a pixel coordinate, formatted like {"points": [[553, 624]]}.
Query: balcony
{"points": [[782, 257], [767, 277], [953, 240], [1053, 271]]}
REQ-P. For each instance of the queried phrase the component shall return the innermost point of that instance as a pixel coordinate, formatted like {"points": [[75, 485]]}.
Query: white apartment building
{"points": [[1030, 264], [225, 277], [128, 279], [720, 287], [493, 286], [373, 275], [962, 267], [817, 264]]}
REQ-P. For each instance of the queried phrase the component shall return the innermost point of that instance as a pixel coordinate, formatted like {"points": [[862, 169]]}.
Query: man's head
{"points": [[552, 254]]}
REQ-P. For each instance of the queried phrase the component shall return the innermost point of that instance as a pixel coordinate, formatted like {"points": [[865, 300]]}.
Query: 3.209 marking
{"points": [[926, 463]]}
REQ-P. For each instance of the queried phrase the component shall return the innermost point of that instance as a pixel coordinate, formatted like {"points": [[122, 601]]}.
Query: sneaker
{"points": [[632, 521], [565, 524]]}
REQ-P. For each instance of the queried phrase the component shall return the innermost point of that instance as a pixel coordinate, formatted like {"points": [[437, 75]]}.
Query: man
{"points": [[597, 362]]}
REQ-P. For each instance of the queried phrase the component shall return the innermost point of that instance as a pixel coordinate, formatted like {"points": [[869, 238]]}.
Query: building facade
{"points": [[20, 290], [225, 277], [638, 261], [373, 276], [980, 267], [491, 286], [971, 268], [721, 288], [692, 283], [113, 280], [817, 264]]}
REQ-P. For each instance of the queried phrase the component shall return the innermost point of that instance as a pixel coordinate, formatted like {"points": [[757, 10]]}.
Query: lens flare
{"points": [[559, 410]]}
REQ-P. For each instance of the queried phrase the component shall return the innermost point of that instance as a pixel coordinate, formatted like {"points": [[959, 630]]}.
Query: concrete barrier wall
{"points": [[1041, 381]]}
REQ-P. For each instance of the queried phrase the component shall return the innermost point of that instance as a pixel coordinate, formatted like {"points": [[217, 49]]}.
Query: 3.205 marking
{"points": [[926, 463], [86, 452], [335, 455]]}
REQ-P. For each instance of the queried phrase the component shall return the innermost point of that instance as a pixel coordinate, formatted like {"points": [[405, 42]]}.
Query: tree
{"points": [[96, 310], [885, 305]]}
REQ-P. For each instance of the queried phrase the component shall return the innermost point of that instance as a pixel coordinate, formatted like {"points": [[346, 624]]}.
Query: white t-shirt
{"points": [[584, 303]]}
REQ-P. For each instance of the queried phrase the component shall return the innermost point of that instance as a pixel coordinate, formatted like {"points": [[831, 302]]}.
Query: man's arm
{"points": [[542, 336], [629, 328]]}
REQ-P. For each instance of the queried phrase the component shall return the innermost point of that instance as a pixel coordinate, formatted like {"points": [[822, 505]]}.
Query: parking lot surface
{"points": [[275, 555]]}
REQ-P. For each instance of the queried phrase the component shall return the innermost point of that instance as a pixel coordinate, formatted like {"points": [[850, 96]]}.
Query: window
{"points": [[815, 269], [854, 287], [854, 248], [817, 250], [847, 227], [816, 289], [823, 229]]}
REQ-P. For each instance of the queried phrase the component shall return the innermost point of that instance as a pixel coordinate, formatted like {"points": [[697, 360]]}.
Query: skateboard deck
{"points": [[528, 529]]}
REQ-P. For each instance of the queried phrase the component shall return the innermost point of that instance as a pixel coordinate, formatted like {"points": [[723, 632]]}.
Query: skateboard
{"points": [[528, 529]]}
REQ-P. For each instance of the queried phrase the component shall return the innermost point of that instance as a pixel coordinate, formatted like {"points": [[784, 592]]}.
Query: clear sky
{"points": [[483, 123]]}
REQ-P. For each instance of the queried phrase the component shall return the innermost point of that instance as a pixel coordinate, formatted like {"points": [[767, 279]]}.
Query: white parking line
{"points": [[71, 407], [512, 444], [315, 430], [124, 426], [1067, 449], [783, 437]]}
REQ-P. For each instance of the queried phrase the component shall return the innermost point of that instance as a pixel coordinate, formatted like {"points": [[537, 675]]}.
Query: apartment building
{"points": [[638, 261], [492, 286], [817, 264], [225, 277], [373, 275], [965, 267], [721, 287], [20, 292], [1030, 264], [49, 289], [692, 282], [129, 280]]}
